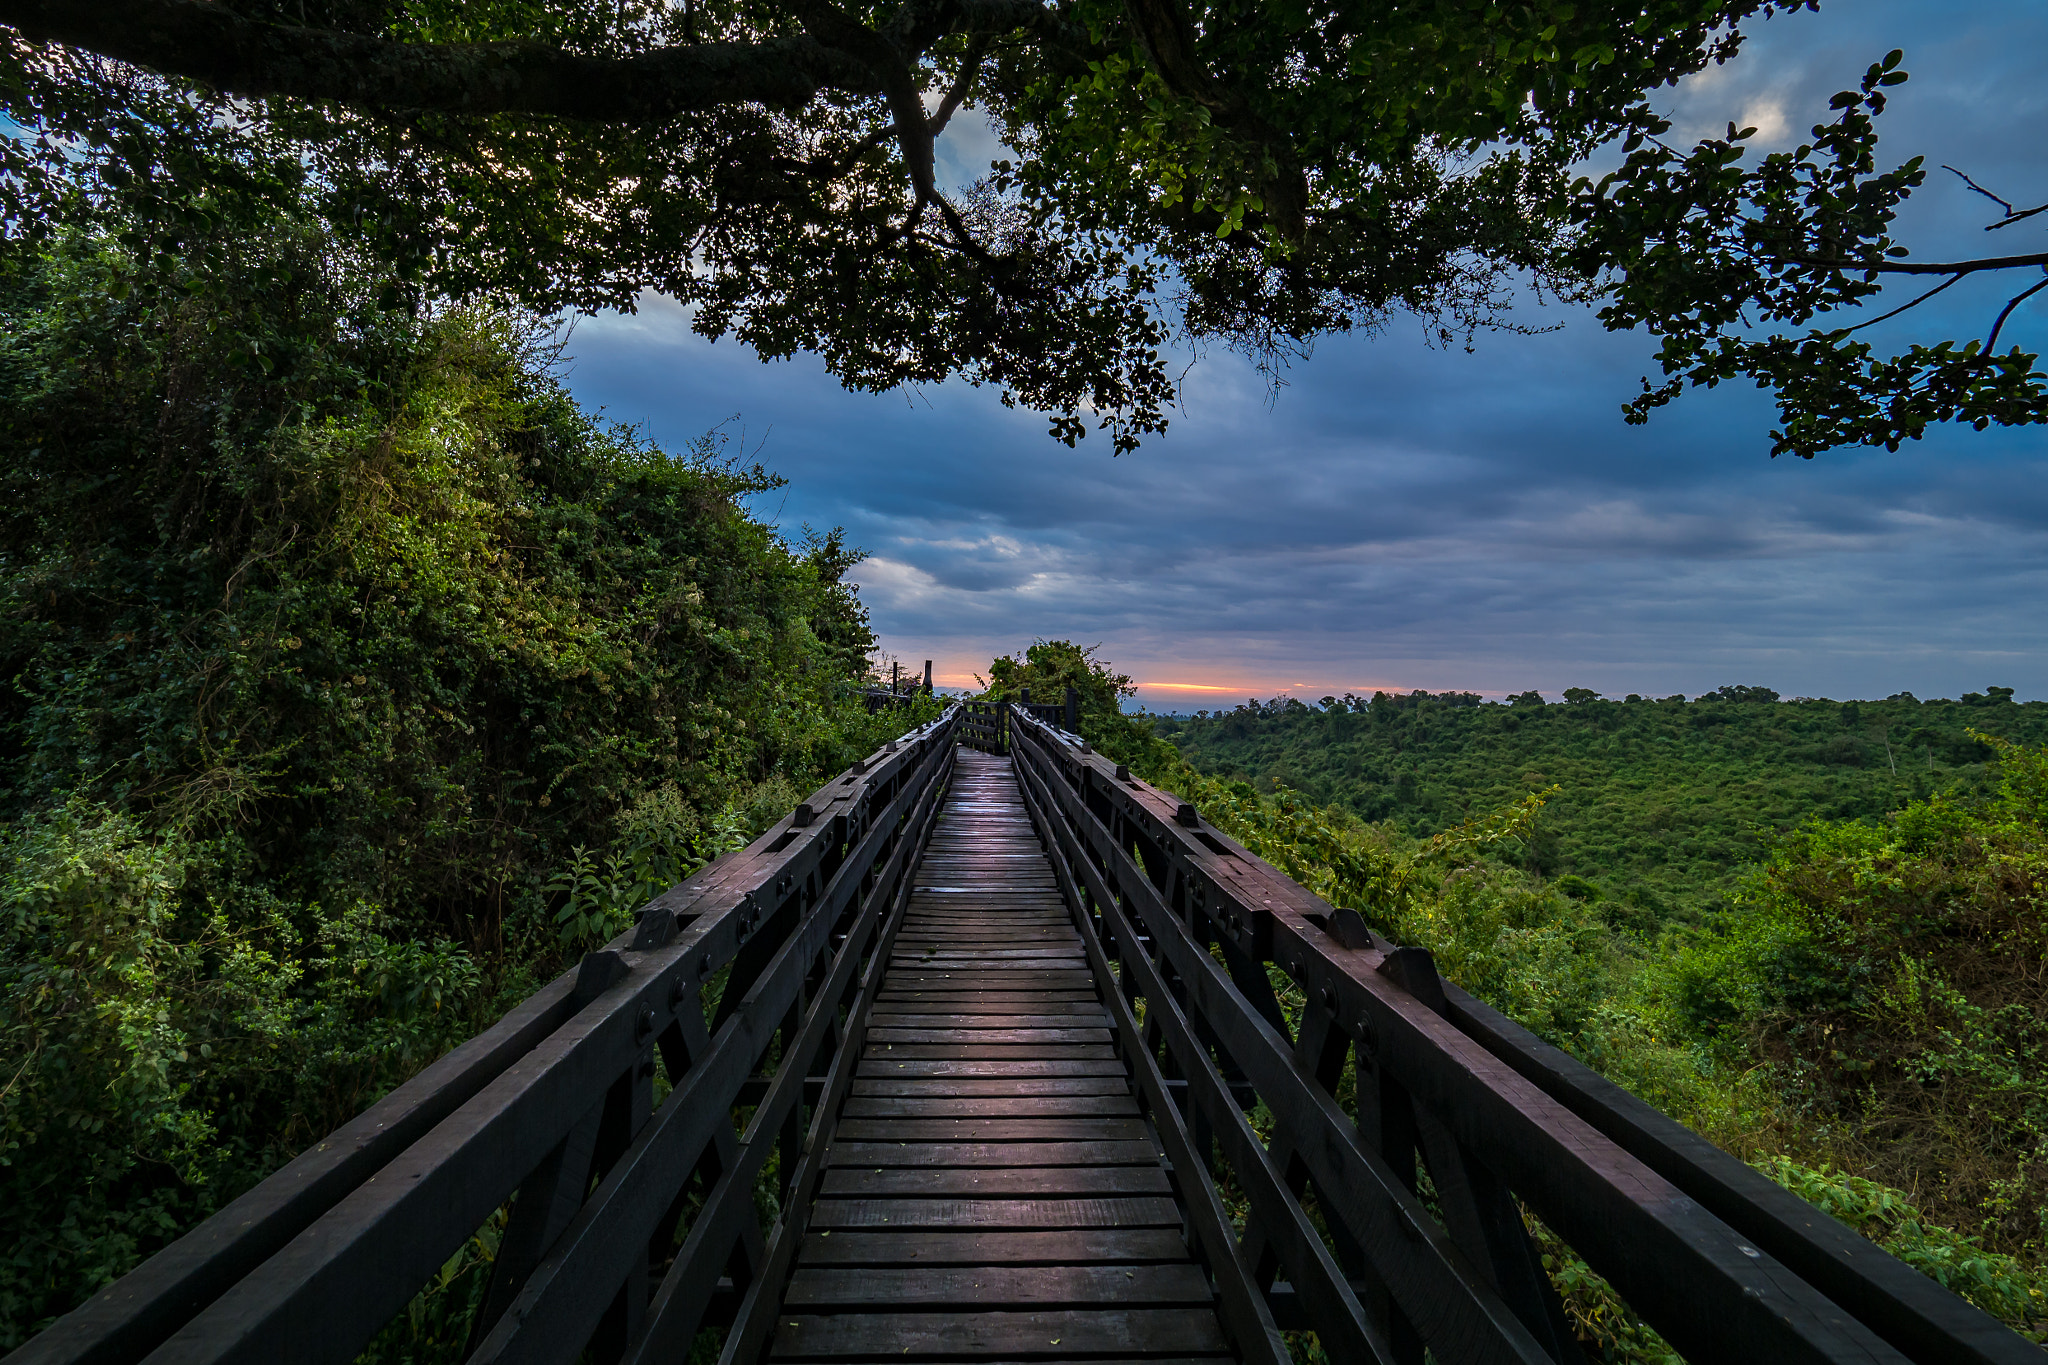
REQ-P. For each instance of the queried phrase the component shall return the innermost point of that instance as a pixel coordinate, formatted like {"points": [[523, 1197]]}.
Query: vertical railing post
{"points": [[1073, 711], [1477, 1207]]}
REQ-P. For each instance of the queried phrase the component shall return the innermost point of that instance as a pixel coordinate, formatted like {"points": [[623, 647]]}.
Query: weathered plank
{"points": [[993, 1130], [987, 1067], [988, 979], [1004, 921], [1022, 1214], [1007, 952], [988, 1002], [974, 969], [985, 945], [998, 1085], [957, 1334], [992, 1286], [988, 1035], [845, 1153], [988, 1106], [1011, 924], [1095, 1019], [1079, 1246], [1070, 1052], [1037, 1181]]}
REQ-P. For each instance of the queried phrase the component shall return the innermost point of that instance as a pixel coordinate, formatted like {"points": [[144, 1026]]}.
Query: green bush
{"points": [[1050, 667], [355, 681], [394, 601], [171, 1035], [1887, 975], [1999, 1284]]}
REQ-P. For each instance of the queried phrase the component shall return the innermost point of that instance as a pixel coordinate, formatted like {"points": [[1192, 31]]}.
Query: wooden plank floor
{"points": [[992, 1193]]}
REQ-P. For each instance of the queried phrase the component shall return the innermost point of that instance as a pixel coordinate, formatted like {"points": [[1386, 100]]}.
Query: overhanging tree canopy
{"points": [[1254, 173]]}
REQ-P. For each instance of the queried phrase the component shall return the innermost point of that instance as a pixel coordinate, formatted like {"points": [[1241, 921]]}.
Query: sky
{"points": [[1401, 516]]}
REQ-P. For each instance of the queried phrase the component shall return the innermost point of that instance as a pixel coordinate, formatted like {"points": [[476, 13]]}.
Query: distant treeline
{"points": [[1573, 696], [1661, 800]]}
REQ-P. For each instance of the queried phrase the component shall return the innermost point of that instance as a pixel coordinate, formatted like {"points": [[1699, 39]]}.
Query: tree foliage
{"points": [[1253, 175], [1049, 668], [1716, 260]]}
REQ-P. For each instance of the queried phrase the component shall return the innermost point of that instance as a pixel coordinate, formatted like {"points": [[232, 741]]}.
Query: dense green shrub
{"points": [[171, 1032], [1889, 976], [393, 601], [338, 645], [2000, 1284]]}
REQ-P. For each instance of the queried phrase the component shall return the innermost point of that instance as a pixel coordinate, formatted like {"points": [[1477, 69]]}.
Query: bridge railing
{"points": [[984, 726], [1382, 1203], [626, 1219], [988, 727]]}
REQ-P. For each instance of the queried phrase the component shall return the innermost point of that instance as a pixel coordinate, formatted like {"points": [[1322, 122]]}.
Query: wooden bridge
{"points": [[993, 1053]]}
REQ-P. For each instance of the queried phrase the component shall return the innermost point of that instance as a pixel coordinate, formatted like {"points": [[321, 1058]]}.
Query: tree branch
{"points": [[1885, 317], [896, 82], [970, 67], [832, 170], [205, 42], [1919, 267], [2012, 218], [2011, 214], [977, 48], [961, 236], [1999, 325]]}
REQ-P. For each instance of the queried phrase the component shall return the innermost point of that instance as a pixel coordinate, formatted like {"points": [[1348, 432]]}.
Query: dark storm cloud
{"points": [[1403, 516]]}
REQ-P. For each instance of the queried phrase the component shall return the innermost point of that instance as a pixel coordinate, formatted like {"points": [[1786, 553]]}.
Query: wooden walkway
{"points": [[997, 1188], [992, 1192]]}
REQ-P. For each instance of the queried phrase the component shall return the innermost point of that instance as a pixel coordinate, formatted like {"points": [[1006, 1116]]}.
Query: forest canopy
{"points": [[1663, 801], [1250, 175]]}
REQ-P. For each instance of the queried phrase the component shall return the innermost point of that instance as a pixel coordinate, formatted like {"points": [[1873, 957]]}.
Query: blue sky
{"points": [[1407, 517]]}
